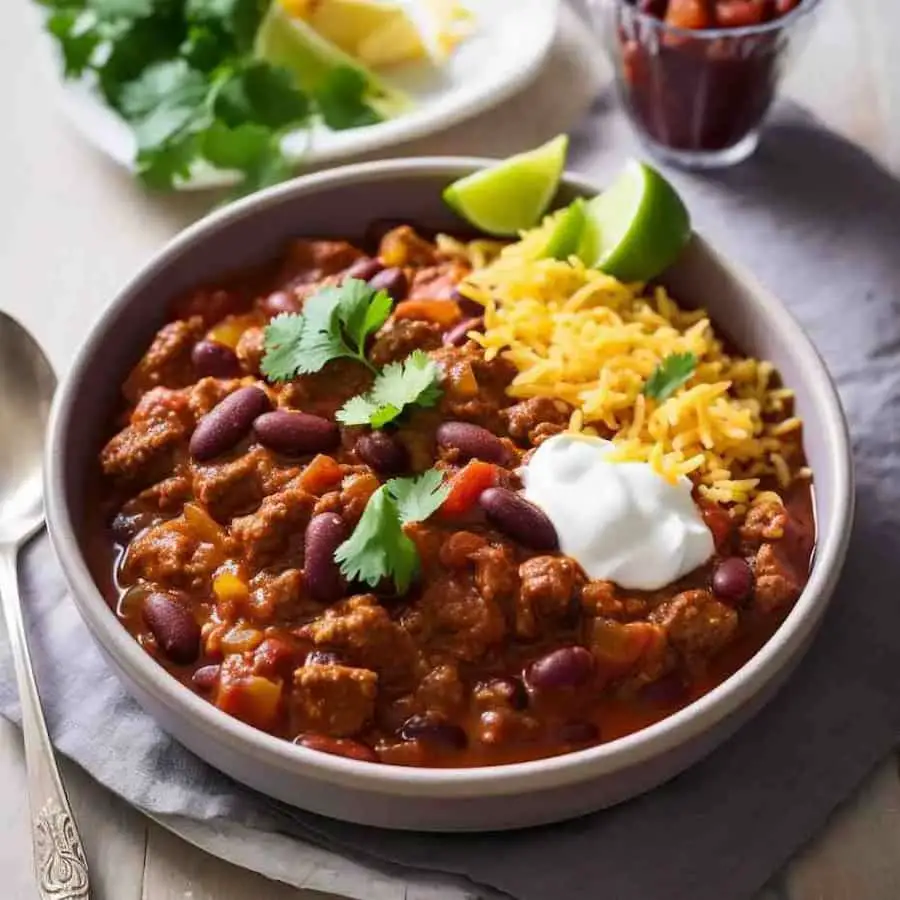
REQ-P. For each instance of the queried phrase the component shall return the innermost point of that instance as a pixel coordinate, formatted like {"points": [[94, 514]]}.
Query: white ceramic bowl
{"points": [[340, 203]]}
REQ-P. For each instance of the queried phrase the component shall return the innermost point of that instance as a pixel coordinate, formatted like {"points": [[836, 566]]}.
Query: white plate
{"points": [[506, 50]]}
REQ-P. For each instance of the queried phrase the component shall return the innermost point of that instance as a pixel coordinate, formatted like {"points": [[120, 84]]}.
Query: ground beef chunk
{"points": [[437, 282], [168, 361], [496, 575], [764, 522], [603, 598], [144, 452], [276, 528], [211, 304], [397, 339], [776, 585], [209, 392], [160, 403], [279, 596], [167, 497], [333, 700], [251, 349], [307, 262], [453, 617], [172, 556], [441, 691], [458, 550], [325, 392], [524, 420], [362, 633], [229, 488], [474, 389], [356, 490], [696, 624], [548, 588]]}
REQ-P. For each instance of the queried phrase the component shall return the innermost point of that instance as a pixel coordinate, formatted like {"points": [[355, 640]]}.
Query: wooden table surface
{"points": [[72, 230]]}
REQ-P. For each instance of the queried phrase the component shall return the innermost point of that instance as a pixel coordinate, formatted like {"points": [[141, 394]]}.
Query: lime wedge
{"points": [[292, 43], [637, 227], [512, 195], [566, 229]]}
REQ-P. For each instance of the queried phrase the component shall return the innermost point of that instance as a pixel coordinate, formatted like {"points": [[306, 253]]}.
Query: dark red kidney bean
{"points": [[458, 334], [279, 302], [669, 690], [733, 580], [228, 422], [296, 433], [578, 732], [215, 359], [567, 667], [345, 747], [322, 658], [383, 452], [174, 627], [472, 441], [433, 731], [469, 308], [324, 534], [392, 280], [364, 269], [206, 678], [512, 690], [518, 518]]}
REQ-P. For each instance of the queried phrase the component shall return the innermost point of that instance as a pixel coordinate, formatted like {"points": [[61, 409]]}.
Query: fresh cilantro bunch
{"points": [[183, 75], [673, 372], [413, 382], [378, 547], [335, 323]]}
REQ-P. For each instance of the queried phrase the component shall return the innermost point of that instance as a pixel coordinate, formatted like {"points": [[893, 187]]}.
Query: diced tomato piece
{"points": [[718, 521], [692, 14], [323, 474], [618, 646], [442, 312], [468, 485], [250, 698]]}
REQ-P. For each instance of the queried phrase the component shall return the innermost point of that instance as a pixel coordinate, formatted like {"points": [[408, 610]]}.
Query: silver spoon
{"points": [[26, 388]]}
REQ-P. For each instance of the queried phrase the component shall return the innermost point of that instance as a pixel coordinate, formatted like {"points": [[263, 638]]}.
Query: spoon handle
{"points": [[60, 864]]}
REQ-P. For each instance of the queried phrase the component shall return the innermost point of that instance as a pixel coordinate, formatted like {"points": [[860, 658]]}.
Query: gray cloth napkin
{"points": [[818, 222]]}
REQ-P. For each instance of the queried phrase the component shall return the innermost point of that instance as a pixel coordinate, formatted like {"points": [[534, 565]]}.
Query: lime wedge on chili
{"points": [[637, 227], [565, 229], [512, 195]]}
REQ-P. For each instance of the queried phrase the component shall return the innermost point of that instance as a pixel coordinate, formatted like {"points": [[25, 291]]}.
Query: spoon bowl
{"points": [[27, 383]]}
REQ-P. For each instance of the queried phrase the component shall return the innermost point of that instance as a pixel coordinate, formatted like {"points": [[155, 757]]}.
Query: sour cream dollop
{"points": [[620, 521]]}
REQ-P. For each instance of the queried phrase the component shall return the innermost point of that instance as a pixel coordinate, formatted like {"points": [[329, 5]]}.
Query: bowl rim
{"points": [[543, 774]]}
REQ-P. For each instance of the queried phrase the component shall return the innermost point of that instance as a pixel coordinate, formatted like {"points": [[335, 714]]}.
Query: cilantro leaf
{"points": [[413, 382], [378, 547], [172, 83], [418, 498], [335, 323], [673, 372], [260, 93], [121, 9], [77, 36], [340, 99]]}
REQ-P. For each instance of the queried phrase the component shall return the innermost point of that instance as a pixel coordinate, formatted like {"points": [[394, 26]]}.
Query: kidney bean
{"points": [[324, 534], [472, 441], [469, 308], [578, 732], [206, 678], [392, 280], [433, 731], [670, 690], [567, 667], [322, 658], [345, 747], [733, 580], [174, 627], [512, 690], [383, 452], [296, 433], [458, 334], [364, 269], [227, 422], [215, 359], [518, 518], [279, 302]]}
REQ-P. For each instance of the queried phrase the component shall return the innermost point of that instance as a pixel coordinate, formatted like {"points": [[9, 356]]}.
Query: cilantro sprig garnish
{"points": [[378, 547], [674, 371], [412, 382], [334, 324], [184, 76]]}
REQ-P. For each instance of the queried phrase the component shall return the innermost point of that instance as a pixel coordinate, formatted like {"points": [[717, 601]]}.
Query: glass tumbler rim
{"points": [[804, 8]]}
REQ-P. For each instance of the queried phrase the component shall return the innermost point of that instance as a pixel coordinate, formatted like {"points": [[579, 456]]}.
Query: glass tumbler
{"points": [[697, 98]]}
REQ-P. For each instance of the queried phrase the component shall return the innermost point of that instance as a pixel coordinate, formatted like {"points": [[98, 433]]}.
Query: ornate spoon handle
{"points": [[59, 860]]}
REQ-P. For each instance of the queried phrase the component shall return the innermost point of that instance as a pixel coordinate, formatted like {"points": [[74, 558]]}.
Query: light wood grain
{"points": [[74, 227]]}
